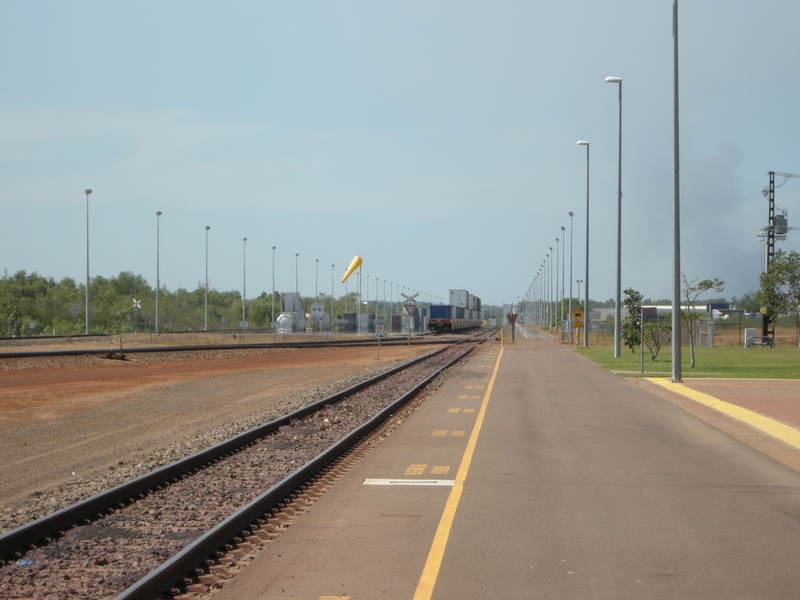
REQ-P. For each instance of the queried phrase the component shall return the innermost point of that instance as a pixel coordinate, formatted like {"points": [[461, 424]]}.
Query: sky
{"points": [[437, 140]]}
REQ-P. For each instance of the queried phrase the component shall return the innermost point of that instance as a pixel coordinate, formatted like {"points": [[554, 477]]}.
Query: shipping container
{"points": [[440, 311], [459, 298]]}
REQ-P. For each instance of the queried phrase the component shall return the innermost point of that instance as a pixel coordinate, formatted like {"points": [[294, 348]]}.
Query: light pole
{"points": [[550, 289], [158, 264], [296, 273], [676, 213], [330, 325], [316, 280], [273, 286], [563, 256], [87, 259], [586, 275], [244, 275], [579, 282], [206, 324], [618, 303], [569, 316]]}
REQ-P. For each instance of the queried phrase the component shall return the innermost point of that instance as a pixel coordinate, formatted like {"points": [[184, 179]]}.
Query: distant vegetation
{"points": [[36, 305]]}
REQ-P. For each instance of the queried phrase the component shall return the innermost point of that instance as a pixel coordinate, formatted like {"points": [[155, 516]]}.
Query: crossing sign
{"points": [[410, 308]]}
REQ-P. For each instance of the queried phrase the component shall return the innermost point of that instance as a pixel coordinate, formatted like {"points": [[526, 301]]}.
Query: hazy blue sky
{"points": [[435, 139]]}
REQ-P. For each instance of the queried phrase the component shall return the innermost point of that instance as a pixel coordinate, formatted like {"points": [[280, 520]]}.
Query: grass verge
{"points": [[782, 362]]}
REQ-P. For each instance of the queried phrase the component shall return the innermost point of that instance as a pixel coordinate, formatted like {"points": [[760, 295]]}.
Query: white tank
{"points": [[286, 322]]}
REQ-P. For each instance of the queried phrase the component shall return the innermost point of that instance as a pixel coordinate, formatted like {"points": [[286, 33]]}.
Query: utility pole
{"points": [[774, 230]]}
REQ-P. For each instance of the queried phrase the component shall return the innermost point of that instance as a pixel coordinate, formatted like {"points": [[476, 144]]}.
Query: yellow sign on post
{"points": [[577, 324], [578, 314]]}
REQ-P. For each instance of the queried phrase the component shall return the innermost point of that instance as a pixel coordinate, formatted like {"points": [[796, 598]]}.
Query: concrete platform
{"points": [[539, 474]]}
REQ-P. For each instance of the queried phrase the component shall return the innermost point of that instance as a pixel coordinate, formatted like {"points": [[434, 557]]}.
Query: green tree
{"points": [[692, 290], [630, 330], [780, 288]]}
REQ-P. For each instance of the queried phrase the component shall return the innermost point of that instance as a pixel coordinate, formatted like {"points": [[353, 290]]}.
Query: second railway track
{"points": [[145, 536]]}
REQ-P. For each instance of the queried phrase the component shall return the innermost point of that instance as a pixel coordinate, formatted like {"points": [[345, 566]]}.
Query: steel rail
{"points": [[187, 560], [206, 348]]}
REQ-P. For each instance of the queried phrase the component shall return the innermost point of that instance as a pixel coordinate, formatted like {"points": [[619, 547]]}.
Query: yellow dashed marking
{"points": [[468, 387], [442, 470], [479, 387], [439, 432], [778, 430], [469, 410], [416, 469], [475, 397], [463, 397], [430, 571], [453, 410], [457, 433]]}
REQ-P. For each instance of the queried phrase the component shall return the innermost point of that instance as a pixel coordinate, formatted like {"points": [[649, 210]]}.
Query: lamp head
{"points": [[88, 192], [583, 143], [562, 227], [570, 213], [158, 213], [613, 80], [208, 227]]}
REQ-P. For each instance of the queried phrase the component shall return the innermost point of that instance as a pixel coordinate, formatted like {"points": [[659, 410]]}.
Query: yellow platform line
{"points": [[776, 429], [430, 572]]}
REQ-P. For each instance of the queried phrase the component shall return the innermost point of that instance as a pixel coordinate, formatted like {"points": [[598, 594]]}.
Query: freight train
{"points": [[463, 312]]}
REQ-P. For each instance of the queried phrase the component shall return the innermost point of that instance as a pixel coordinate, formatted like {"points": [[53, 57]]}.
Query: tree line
{"points": [[34, 305]]}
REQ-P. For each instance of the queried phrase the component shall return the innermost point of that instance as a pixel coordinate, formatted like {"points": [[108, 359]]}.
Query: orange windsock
{"points": [[356, 262]]}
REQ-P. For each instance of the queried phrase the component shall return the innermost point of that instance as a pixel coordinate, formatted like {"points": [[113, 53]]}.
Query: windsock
{"points": [[356, 262]]}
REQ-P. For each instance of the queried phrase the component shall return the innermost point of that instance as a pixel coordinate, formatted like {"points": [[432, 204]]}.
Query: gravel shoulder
{"points": [[83, 424]]}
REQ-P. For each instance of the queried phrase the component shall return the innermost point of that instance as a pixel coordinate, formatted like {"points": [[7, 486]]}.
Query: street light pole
{"points": [[316, 280], [273, 286], [330, 325], [207, 228], [244, 275], [676, 215], [569, 316], [87, 192], [586, 274], [296, 273], [618, 303], [563, 257], [158, 265]]}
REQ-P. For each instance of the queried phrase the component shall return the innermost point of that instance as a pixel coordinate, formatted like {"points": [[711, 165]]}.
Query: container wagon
{"points": [[445, 318]]}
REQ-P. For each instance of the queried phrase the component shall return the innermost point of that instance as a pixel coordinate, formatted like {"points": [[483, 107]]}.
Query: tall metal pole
{"points": [[569, 316], [549, 290], [618, 302], [273, 285], [296, 273], [206, 322], [87, 259], [316, 280], [244, 275], [158, 265], [676, 216], [586, 274], [555, 306], [563, 257], [330, 326]]}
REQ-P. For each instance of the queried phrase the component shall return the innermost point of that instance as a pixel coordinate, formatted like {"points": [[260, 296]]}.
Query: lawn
{"points": [[782, 362]]}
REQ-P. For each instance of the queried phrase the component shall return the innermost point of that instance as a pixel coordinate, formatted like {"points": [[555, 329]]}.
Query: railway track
{"points": [[120, 351], [187, 526]]}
